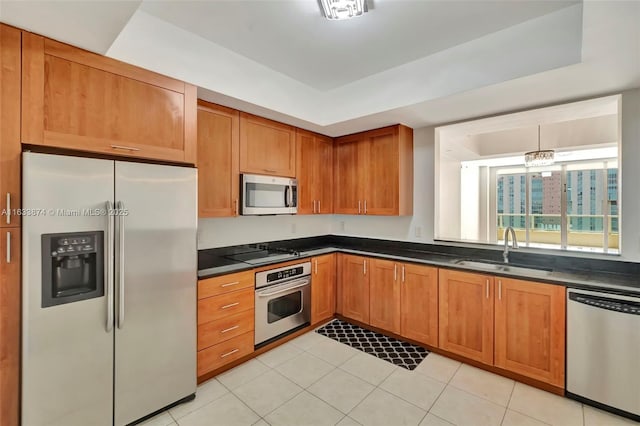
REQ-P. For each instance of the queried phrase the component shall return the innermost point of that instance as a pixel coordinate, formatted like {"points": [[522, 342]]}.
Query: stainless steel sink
{"points": [[488, 265]]}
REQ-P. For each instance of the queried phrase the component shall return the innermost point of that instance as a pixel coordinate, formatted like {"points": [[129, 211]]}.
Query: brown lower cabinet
{"points": [[323, 287], [530, 329], [219, 355], [9, 326], [226, 318], [384, 295], [401, 298], [353, 287], [466, 314], [419, 303], [512, 324]]}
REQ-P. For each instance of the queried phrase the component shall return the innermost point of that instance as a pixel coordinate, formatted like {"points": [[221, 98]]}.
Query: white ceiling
{"points": [[576, 125], [415, 62], [293, 38]]}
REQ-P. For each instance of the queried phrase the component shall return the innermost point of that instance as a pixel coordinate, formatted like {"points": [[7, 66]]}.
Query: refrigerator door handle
{"points": [[109, 269], [120, 215]]}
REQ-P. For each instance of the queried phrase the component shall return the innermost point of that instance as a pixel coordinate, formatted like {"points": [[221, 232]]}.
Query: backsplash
{"points": [[222, 232]]}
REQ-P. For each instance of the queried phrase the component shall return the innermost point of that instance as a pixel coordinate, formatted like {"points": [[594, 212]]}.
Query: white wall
{"points": [[630, 199], [221, 232]]}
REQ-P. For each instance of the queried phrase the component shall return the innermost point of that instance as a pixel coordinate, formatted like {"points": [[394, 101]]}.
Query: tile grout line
{"points": [[444, 420], [296, 394], [240, 399], [436, 400], [508, 402]]}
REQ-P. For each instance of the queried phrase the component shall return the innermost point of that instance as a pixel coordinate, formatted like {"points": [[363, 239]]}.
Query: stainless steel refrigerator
{"points": [[109, 289]]}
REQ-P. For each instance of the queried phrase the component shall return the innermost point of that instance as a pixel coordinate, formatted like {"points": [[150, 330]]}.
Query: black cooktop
{"points": [[249, 253]]}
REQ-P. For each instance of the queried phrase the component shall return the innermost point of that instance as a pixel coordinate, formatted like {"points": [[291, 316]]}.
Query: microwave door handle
{"points": [[286, 196], [290, 196]]}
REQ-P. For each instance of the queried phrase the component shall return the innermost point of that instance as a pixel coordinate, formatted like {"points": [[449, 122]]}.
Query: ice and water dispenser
{"points": [[72, 267]]}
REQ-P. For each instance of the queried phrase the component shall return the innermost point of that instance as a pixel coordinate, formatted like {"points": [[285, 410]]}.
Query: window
{"points": [[483, 187], [570, 215]]}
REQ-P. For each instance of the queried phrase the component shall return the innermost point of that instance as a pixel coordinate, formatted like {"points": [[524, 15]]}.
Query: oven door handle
{"points": [[284, 289]]}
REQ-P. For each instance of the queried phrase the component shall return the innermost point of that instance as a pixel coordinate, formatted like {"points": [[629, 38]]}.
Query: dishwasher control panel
{"points": [[626, 307]]}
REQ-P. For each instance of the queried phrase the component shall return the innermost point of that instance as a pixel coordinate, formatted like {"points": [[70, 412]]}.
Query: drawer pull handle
{"points": [[230, 305], [229, 353], [127, 148], [230, 329], [230, 284]]}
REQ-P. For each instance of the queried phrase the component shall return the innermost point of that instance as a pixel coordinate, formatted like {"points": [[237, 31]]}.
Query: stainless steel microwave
{"points": [[268, 195]]}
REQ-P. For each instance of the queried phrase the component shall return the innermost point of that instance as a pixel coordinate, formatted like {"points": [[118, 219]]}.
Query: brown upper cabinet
{"points": [[218, 160], [267, 147], [530, 329], [314, 164], [374, 172], [78, 100], [10, 148]]}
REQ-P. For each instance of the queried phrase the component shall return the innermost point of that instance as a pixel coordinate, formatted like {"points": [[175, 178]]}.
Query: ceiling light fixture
{"points": [[540, 157], [343, 9]]}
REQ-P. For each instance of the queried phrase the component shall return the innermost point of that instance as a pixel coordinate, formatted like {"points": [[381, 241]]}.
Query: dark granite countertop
{"points": [[578, 272]]}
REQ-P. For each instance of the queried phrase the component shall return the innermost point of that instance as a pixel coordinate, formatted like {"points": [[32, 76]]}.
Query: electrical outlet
{"points": [[293, 228], [342, 226], [418, 232]]}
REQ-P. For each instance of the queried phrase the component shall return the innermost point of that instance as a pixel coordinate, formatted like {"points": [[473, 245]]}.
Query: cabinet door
{"points": [[466, 314], [10, 148], [381, 179], [323, 287], [267, 147], [419, 304], [78, 100], [384, 295], [530, 329], [348, 198], [9, 326], [306, 165], [218, 160], [354, 288], [324, 174]]}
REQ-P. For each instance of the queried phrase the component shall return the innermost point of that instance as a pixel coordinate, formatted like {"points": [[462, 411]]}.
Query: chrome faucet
{"points": [[514, 244]]}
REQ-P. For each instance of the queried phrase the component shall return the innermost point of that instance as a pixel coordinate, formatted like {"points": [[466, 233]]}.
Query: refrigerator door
{"points": [[156, 268], [67, 348]]}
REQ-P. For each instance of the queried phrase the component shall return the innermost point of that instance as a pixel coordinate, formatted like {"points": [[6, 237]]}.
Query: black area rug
{"points": [[387, 348]]}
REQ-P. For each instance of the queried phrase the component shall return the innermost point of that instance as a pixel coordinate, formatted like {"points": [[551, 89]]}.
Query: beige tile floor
{"points": [[314, 380]]}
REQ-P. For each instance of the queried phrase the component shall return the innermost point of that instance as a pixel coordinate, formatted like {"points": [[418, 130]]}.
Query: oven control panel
{"points": [[279, 275]]}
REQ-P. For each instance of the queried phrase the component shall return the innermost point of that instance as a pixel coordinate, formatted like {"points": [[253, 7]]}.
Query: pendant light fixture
{"points": [[343, 9], [540, 157]]}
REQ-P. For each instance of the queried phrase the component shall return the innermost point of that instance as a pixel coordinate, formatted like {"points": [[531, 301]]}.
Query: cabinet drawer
{"points": [[217, 307], [226, 328], [225, 283], [223, 353]]}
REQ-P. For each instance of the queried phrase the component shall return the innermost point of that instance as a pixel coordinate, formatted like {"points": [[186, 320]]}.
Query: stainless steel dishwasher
{"points": [[603, 349]]}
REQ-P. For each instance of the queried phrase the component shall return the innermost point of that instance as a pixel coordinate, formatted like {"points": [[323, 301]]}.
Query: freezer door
{"points": [[67, 349], [156, 267]]}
